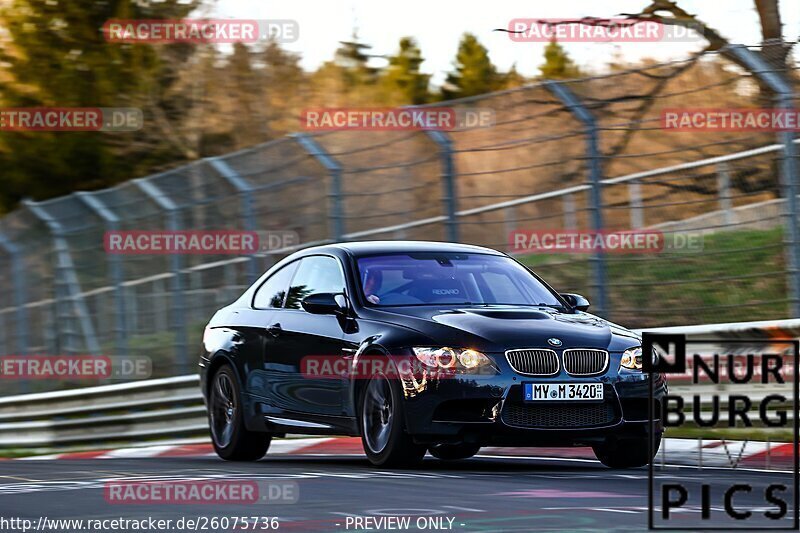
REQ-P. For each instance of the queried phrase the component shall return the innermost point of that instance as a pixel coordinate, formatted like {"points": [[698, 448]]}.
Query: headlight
{"points": [[451, 358], [632, 358], [471, 359]]}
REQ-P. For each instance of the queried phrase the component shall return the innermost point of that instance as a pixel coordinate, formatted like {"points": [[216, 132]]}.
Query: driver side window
{"points": [[315, 274]]}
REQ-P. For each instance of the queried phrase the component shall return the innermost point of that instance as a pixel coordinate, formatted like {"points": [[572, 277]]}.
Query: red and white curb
{"points": [[722, 453], [278, 446]]}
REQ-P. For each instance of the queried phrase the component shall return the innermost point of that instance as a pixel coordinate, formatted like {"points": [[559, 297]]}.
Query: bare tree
{"points": [[773, 47]]}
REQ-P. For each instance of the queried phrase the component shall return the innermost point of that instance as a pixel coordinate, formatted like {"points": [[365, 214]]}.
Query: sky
{"points": [[438, 25]]}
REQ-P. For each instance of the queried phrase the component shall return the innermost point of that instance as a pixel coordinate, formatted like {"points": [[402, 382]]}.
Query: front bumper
{"points": [[490, 410]]}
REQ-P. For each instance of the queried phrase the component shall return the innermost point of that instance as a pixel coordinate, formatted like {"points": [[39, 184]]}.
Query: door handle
{"points": [[275, 329]]}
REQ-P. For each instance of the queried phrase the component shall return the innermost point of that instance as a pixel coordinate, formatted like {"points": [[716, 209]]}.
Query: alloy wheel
{"points": [[223, 410], [378, 414]]}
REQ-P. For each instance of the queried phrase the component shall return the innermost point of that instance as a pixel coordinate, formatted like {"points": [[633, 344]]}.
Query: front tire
{"points": [[453, 452], [626, 453], [231, 439], [383, 431]]}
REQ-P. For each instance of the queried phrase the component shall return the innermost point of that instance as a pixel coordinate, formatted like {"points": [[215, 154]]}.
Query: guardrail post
{"points": [[335, 208], [20, 293], [769, 454], [450, 196], [245, 191], [67, 279], [700, 453], [784, 98], [111, 222], [593, 156], [178, 308]]}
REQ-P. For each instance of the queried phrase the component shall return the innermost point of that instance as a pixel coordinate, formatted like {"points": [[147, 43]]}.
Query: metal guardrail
{"points": [[157, 409], [172, 408]]}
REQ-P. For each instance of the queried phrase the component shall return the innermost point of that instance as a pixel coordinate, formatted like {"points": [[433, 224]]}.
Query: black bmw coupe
{"points": [[422, 346]]}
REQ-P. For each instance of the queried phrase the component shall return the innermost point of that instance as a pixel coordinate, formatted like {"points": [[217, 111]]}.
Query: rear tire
{"points": [[453, 452], [626, 453], [382, 424], [231, 439]]}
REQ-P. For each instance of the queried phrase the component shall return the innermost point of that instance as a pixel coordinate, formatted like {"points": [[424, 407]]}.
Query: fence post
{"points": [[635, 196], [593, 156], [66, 276], [724, 192], [784, 97], [5, 335], [173, 224], [570, 213], [111, 222], [20, 293], [450, 196], [132, 310], [245, 191], [509, 225], [335, 209]]}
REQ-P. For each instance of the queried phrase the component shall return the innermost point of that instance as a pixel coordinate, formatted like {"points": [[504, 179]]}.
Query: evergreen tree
{"points": [[328, 86], [474, 72], [286, 88], [348, 80], [203, 113], [403, 82], [513, 79], [353, 58], [245, 89], [54, 54], [557, 63]]}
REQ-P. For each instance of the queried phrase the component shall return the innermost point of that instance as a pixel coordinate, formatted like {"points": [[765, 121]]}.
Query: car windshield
{"points": [[450, 278]]}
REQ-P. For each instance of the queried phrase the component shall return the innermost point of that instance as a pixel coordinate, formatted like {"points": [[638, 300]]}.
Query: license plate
{"points": [[537, 392]]}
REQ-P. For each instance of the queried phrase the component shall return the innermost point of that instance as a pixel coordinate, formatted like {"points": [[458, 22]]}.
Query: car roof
{"points": [[378, 247]]}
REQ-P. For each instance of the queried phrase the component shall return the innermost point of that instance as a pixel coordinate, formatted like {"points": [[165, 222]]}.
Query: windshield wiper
{"points": [[552, 306]]}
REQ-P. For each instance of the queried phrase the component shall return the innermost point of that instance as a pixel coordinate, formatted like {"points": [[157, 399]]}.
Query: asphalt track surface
{"points": [[479, 494]]}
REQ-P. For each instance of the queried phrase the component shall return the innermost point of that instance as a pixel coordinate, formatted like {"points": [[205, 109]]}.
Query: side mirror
{"points": [[576, 301], [324, 303]]}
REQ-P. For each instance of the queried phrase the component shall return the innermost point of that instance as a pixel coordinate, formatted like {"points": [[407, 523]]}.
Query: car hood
{"points": [[500, 328]]}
